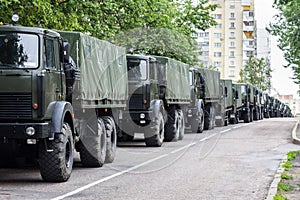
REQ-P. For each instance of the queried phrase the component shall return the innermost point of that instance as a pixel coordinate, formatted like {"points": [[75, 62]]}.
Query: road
{"points": [[233, 162]]}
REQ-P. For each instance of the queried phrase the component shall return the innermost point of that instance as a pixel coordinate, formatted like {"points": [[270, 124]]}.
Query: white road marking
{"points": [[184, 147], [130, 169], [107, 178], [206, 138], [226, 130]]}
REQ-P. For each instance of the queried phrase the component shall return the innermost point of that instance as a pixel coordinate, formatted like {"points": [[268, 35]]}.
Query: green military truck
{"points": [[50, 106], [246, 101], [266, 105], [227, 110], [211, 96], [195, 113], [257, 104], [158, 97]]}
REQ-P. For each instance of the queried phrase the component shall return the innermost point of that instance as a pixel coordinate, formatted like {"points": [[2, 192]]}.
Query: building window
{"points": [[218, 16], [232, 16], [232, 25], [251, 43], [217, 64], [251, 14], [203, 34], [231, 73], [218, 26], [205, 53], [218, 44], [232, 6], [232, 35], [232, 64], [217, 54], [203, 44], [194, 35], [231, 53], [232, 44], [217, 35]]}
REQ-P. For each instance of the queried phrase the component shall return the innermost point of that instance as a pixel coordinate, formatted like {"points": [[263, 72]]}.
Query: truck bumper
{"points": [[18, 130], [140, 118]]}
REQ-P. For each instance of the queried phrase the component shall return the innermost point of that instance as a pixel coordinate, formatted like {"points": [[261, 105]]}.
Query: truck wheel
{"points": [[56, 165], [210, 120], [181, 124], [156, 138], [247, 116], [111, 138], [92, 148], [251, 114], [172, 126]]}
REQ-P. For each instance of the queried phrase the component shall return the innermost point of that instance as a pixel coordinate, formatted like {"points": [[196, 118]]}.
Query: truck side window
{"points": [[49, 52]]}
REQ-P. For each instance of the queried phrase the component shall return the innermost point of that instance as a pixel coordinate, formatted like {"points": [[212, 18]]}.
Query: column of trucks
{"points": [[63, 91]]}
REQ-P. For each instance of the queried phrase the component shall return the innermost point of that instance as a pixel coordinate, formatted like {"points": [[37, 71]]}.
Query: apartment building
{"points": [[229, 44]]}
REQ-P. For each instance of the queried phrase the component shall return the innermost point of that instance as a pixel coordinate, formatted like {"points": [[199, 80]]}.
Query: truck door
{"points": [[53, 80]]}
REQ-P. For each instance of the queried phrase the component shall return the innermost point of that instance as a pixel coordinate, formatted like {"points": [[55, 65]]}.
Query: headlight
{"points": [[142, 116], [30, 131]]}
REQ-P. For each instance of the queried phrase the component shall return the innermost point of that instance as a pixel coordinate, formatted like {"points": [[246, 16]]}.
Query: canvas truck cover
{"points": [[102, 67], [212, 84], [229, 97], [177, 80]]}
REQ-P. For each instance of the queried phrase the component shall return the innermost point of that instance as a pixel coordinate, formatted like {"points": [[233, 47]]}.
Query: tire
{"points": [[111, 138], [251, 114], [92, 148], [210, 120], [197, 125], [156, 136], [56, 165], [181, 125], [172, 126], [247, 116]]}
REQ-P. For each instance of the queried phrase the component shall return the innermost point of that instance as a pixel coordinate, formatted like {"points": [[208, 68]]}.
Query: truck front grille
{"points": [[15, 106]]}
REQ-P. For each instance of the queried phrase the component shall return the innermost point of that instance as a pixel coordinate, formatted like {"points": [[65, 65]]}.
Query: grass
{"points": [[285, 187], [282, 186], [286, 176]]}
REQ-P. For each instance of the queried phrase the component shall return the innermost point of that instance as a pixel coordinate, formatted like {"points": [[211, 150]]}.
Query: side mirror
{"points": [[66, 52], [236, 95], [226, 92]]}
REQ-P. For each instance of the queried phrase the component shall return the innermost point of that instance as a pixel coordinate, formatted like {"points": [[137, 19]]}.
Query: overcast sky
{"points": [[281, 77]]}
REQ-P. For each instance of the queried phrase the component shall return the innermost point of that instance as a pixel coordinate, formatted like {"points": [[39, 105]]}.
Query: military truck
{"points": [[195, 113], [256, 103], [247, 101], [50, 106], [266, 105], [211, 96], [227, 114], [158, 97]]}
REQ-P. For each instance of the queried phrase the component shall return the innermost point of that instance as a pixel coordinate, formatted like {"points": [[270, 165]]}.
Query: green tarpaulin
{"points": [[102, 67]]}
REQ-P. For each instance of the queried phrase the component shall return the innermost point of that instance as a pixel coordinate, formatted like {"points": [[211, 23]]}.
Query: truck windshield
{"points": [[18, 50], [137, 69]]}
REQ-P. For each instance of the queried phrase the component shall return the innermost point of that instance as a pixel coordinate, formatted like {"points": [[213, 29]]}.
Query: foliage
{"points": [[287, 28], [108, 19], [286, 176], [285, 187], [256, 72], [279, 197], [292, 155]]}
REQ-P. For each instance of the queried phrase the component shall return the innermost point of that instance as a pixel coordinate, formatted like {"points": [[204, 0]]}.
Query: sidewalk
{"points": [[288, 178]]}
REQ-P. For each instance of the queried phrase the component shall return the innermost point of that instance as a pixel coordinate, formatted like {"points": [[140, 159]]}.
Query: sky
{"points": [[281, 77]]}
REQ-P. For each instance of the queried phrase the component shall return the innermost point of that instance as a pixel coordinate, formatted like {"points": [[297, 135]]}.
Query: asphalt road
{"points": [[233, 162]]}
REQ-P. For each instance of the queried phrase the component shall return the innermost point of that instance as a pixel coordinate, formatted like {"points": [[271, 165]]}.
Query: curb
{"points": [[273, 187], [296, 140]]}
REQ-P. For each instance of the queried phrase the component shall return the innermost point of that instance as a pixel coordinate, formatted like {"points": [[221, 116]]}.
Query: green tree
{"points": [[107, 19], [257, 72], [287, 28]]}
